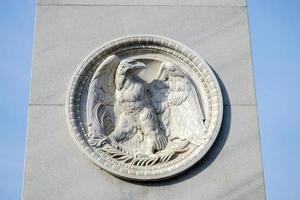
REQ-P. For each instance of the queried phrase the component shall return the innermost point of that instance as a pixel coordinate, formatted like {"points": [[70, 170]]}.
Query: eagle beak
{"points": [[137, 65]]}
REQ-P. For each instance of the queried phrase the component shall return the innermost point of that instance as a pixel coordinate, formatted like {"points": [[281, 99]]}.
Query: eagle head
{"points": [[127, 66]]}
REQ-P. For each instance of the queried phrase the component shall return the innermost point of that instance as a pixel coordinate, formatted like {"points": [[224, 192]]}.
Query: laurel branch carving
{"points": [[122, 155]]}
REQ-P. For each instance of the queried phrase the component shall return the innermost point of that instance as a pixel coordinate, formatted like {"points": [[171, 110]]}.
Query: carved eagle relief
{"points": [[127, 116], [144, 107]]}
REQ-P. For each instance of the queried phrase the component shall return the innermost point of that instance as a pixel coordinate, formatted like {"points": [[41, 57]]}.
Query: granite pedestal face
{"points": [[67, 31]]}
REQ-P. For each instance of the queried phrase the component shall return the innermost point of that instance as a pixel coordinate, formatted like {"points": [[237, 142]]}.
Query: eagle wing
{"points": [[101, 97], [176, 100]]}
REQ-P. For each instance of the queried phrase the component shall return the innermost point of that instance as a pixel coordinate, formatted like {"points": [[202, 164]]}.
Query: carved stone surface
{"points": [[67, 31], [144, 107]]}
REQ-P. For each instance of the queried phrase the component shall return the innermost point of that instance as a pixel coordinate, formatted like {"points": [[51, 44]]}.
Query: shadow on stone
{"points": [[210, 156]]}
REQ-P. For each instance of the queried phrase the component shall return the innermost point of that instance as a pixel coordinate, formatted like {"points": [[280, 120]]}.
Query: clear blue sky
{"points": [[275, 38]]}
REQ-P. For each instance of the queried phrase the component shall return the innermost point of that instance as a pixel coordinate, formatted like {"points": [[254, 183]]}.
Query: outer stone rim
{"points": [[79, 80]]}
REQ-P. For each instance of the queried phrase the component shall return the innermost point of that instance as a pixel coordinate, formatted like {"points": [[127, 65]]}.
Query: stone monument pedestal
{"points": [[67, 31]]}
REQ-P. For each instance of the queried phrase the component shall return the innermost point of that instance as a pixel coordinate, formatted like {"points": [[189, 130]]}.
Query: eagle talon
{"points": [[112, 141], [147, 155], [141, 155], [98, 142], [154, 156]]}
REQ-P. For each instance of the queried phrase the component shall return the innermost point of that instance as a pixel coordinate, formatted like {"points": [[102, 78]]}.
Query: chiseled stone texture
{"points": [[67, 31]]}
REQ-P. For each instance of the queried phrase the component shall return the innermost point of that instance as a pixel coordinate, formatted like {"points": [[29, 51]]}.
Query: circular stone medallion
{"points": [[144, 107]]}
